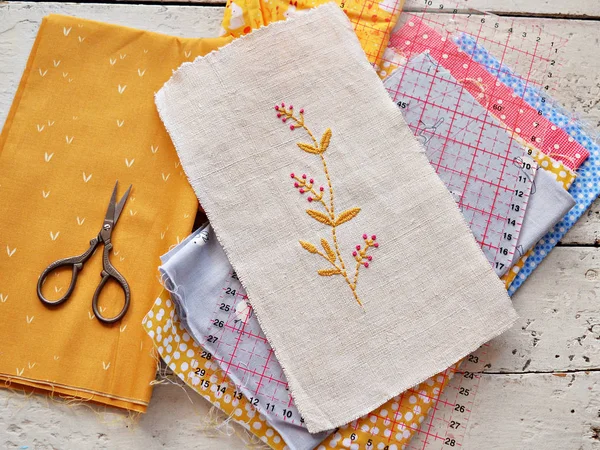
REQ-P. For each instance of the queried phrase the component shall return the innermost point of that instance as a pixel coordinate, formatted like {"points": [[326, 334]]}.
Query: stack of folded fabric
{"points": [[343, 247]]}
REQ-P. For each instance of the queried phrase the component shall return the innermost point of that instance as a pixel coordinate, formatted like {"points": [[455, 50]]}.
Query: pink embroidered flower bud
{"points": [[279, 115], [354, 254], [370, 258], [302, 111], [276, 107], [304, 176], [321, 188], [292, 175], [311, 180], [366, 264], [374, 237], [292, 127], [376, 244], [358, 247], [282, 105], [310, 199], [296, 185], [302, 191], [291, 106], [364, 236], [284, 120]]}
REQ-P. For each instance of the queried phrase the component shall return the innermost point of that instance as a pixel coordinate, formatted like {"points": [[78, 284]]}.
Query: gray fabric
{"points": [[205, 289], [548, 204], [427, 280]]}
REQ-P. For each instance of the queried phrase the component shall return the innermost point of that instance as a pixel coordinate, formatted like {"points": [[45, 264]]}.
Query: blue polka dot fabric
{"points": [[586, 187]]}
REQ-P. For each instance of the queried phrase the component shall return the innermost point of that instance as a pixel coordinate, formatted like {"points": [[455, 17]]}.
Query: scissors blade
{"points": [[119, 207], [110, 211]]}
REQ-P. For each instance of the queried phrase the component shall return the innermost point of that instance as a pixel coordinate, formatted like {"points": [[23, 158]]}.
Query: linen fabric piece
{"points": [[83, 117], [415, 37], [372, 23], [214, 309], [238, 157], [394, 423], [484, 168]]}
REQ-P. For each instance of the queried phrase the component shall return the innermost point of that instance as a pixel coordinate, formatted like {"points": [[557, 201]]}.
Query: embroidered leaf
{"points": [[325, 140], [309, 148], [308, 247], [327, 248], [321, 217], [328, 272], [347, 215]]}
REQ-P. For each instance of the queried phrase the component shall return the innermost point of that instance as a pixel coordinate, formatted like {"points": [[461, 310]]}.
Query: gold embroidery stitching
{"points": [[306, 185]]}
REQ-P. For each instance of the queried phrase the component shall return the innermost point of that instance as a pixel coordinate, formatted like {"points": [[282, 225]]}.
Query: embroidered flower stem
{"points": [[306, 185]]}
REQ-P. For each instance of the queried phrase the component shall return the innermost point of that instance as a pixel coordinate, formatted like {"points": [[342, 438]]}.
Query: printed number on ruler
{"points": [[240, 347], [446, 424]]}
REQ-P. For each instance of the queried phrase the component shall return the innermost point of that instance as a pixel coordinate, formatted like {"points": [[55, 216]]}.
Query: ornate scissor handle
{"points": [[107, 273], [77, 263]]}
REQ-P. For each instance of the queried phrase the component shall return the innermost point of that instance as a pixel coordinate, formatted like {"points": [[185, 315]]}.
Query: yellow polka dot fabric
{"points": [[373, 20], [82, 118], [391, 426]]}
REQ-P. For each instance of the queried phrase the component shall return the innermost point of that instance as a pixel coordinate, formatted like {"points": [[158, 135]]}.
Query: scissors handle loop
{"points": [[107, 273], [77, 263]]}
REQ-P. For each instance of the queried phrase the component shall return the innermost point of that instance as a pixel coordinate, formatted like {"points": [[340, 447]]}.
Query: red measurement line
{"points": [[242, 331], [434, 410], [248, 370], [262, 375], [509, 145], [427, 101], [237, 343]]}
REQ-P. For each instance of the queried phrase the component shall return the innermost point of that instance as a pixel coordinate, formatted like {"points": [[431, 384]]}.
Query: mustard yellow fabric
{"points": [[84, 117], [373, 20]]}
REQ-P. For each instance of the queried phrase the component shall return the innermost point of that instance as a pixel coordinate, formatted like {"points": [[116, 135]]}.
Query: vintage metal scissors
{"points": [[108, 271]]}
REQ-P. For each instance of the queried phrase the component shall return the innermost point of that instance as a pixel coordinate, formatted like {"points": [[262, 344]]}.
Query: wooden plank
{"points": [[560, 8], [559, 325], [177, 418], [544, 8], [530, 411], [536, 411]]}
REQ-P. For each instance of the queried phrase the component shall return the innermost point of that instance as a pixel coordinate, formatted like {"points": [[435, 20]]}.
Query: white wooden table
{"points": [[542, 387]]}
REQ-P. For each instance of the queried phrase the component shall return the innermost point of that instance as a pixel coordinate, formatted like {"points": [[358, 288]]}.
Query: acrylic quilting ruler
{"points": [[535, 56]]}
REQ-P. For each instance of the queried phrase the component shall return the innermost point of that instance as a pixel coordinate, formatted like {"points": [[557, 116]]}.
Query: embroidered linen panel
{"points": [[380, 221]]}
